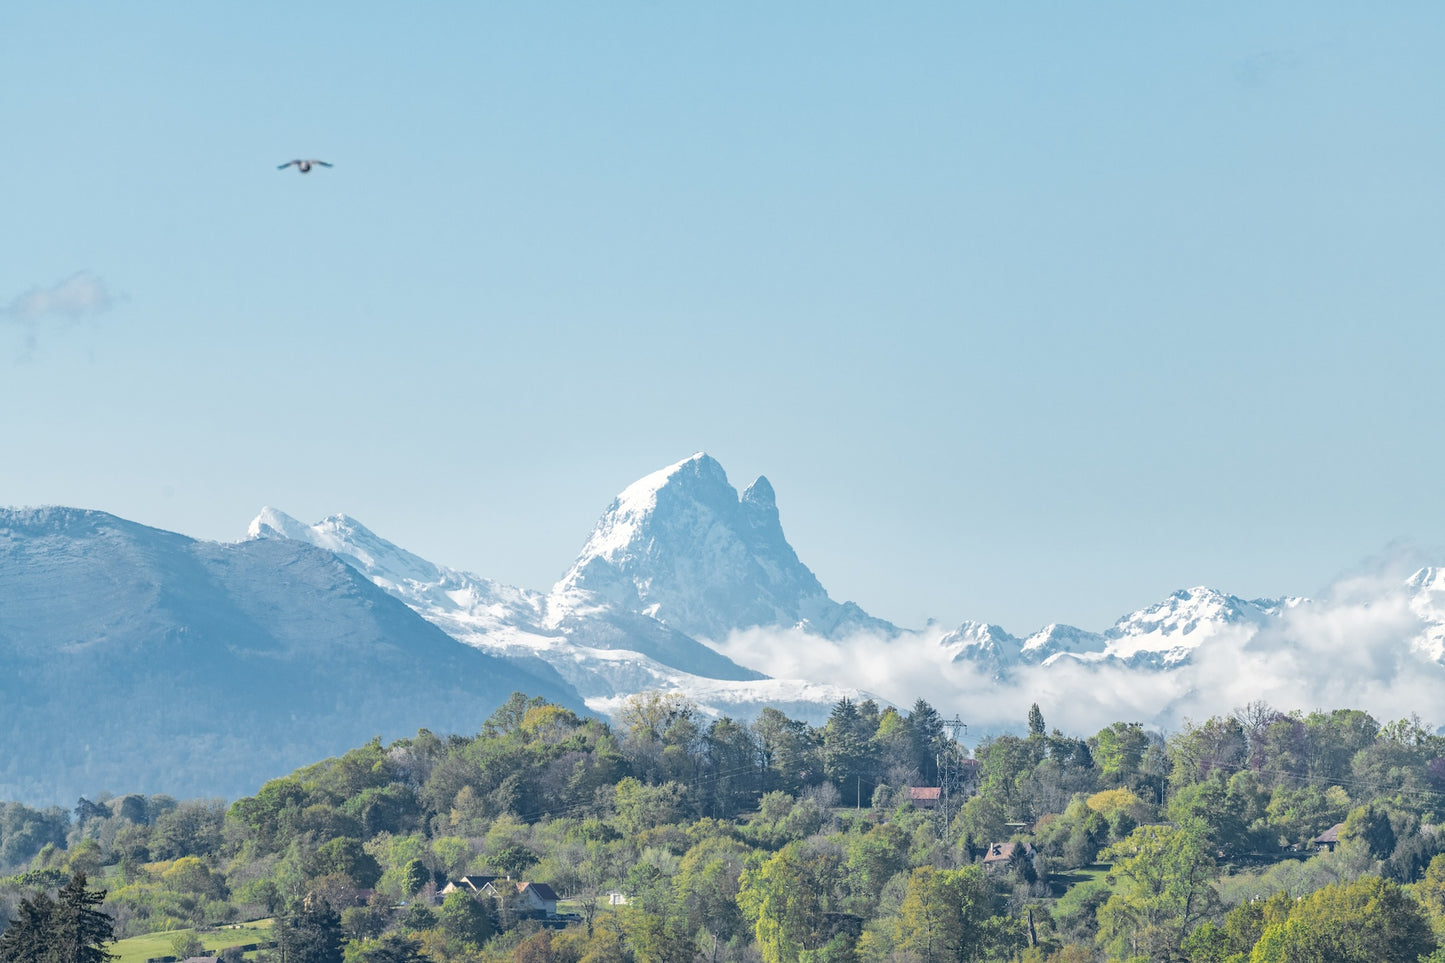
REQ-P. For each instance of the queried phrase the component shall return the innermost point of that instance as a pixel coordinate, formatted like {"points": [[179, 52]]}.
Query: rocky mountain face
{"points": [[679, 557], [682, 547], [133, 659]]}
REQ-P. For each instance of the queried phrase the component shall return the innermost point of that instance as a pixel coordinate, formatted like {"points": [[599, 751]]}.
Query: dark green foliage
{"points": [[468, 919], [346, 857], [25, 832], [190, 829], [849, 761], [311, 936], [1036, 722], [1371, 825], [66, 929], [392, 948]]}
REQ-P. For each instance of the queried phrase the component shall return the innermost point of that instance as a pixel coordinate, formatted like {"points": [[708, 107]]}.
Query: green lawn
{"points": [[1063, 881], [138, 949]]}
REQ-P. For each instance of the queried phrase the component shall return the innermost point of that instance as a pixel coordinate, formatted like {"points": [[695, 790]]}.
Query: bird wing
{"points": [[322, 163], [286, 165]]}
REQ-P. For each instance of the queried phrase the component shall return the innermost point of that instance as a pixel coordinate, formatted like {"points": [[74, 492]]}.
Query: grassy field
{"points": [[1062, 882], [138, 949]]}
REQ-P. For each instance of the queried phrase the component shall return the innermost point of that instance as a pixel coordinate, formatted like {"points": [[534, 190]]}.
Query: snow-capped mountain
{"points": [[680, 559], [682, 547], [983, 644], [602, 651], [183, 639], [607, 651], [1426, 591], [1167, 634]]}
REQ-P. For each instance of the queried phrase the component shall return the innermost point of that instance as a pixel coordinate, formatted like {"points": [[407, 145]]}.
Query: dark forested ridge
{"points": [[552, 838], [132, 658]]}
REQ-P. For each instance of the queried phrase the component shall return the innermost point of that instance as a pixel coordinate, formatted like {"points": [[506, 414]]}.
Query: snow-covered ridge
{"points": [[679, 564], [605, 650]]}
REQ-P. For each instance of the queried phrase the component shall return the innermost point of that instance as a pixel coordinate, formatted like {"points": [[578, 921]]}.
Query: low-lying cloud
{"points": [[1354, 647]]}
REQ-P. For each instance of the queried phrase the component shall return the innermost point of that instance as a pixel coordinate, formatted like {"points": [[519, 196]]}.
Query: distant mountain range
{"points": [[133, 659], [137, 659]]}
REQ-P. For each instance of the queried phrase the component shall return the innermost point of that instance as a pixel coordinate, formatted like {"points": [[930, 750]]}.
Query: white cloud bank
{"points": [[1358, 646]]}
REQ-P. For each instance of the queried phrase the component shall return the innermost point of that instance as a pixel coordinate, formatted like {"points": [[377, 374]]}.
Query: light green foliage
{"points": [[191, 875], [873, 858], [1119, 750], [786, 898], [1162, 881], [1430, 891], [454, 854], [186, 944], [946, 917], [414, 876], [1368, 921], [1074, 838], [641, 807], [707, 883]]}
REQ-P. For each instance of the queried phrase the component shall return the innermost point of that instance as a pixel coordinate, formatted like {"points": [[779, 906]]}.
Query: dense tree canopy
{"points": [[674, 836]]}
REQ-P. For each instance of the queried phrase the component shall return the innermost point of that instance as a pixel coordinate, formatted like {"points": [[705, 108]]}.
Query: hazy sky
{"points": [[1030, 312]]}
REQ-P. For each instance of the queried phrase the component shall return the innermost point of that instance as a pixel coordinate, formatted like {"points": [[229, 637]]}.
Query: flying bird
{"points": [[304, 166]]}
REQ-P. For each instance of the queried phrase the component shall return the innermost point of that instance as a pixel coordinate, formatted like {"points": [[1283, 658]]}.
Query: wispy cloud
{"points": [[1350, 648], [80, 296]]}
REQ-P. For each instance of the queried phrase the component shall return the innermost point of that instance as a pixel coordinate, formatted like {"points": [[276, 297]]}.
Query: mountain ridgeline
{"points": [[133, 659], [136, 658]]}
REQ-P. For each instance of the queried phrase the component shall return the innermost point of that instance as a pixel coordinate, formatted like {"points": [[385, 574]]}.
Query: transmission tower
{"points": [[947, 772]]}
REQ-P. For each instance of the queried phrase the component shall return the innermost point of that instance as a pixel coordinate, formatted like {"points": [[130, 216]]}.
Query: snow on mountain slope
{"points": [[981, 643], [1167, 632], [457, 602], [1055, 640], [1162, 635], [604, 651], [1426, 591], [680, 545]]}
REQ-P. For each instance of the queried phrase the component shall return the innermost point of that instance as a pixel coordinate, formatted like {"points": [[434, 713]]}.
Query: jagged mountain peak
{"points": [[682, 546], [981, 642], [1428, 579], [760, 494]]}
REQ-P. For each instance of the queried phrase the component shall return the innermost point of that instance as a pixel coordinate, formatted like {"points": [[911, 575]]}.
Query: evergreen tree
{"points": [[311, 936], [67, 929], [25, 939], [1036, 722]]}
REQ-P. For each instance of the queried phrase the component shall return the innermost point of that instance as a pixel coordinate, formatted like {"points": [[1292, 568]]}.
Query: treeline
{"points": [[787, 843]]}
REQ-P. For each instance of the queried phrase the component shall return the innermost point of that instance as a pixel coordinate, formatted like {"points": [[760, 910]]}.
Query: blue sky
{"points": [[1030, 312]]}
